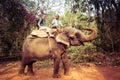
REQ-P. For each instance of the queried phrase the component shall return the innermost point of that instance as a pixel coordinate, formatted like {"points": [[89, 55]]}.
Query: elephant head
{"points": [[74, 37]]}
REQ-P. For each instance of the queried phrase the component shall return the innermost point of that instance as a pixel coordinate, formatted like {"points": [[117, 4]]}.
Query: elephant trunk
{"points": [[86, 38]]}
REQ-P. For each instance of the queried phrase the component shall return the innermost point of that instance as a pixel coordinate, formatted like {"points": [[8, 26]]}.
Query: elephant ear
{"points": [[62, 38]]}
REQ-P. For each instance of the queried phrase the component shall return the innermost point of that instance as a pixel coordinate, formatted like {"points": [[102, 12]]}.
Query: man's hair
{"points": [[57, 15]]}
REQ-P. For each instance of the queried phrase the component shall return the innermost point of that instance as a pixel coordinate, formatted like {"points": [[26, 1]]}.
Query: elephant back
{"points": [[33, 44]]}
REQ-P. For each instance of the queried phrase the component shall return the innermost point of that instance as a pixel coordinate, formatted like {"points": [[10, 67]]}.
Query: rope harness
{"points": [[49, 41]]}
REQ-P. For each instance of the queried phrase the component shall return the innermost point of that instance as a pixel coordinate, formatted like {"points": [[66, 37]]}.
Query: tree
{"points": [[107, 17], [17, 17], [16, 22], [108, 21]]}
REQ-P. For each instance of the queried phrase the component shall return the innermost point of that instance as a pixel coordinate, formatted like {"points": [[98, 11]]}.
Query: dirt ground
{"points": [[9, 71]]}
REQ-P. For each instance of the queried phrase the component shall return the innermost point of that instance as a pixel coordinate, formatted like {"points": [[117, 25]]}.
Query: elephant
{"points": [[36, 48]]}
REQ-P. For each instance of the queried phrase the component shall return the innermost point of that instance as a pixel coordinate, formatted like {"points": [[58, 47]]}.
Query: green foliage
{"points": [[107, 18], [49, 19], [81, 53], [17, 16], [108, 24], [88, 54], [77, 20]]}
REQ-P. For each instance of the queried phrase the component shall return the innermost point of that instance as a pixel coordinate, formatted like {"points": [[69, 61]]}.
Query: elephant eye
{"points": [[77, 35]]}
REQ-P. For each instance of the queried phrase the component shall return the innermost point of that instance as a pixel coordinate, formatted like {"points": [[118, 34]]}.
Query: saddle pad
{"points": [[39, 33]]}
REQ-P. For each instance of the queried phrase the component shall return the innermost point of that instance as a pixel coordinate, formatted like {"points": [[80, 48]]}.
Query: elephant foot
{"points": [[67, 74], [30, 73], [56, 76], [21, 73]]}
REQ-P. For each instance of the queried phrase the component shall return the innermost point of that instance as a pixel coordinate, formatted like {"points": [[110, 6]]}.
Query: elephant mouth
{"points": [[76, 43], [81, 43]]}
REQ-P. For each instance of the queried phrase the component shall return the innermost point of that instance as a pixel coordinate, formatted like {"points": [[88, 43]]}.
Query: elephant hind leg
{"points": [[65, 63], [30, 68], [22, 67]]}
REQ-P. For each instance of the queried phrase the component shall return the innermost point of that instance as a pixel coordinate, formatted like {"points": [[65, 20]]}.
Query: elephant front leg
{"points": [[56, 68], [65, 63]]}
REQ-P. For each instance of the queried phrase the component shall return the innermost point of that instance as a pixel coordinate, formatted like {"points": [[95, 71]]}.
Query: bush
{"points": [[81, 54]]}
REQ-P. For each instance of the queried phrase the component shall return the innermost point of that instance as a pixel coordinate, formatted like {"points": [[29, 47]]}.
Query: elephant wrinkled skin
{"points": [[36, 48]]}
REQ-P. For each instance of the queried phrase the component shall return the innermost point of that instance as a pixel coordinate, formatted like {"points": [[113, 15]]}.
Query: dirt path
{"points": [[9, 71]]}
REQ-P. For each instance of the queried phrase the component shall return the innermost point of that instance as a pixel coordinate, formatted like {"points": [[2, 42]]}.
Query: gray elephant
{"points": [[36, 48]]}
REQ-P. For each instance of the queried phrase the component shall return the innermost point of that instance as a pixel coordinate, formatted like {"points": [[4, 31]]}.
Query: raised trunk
{"points": [[86, 38]]}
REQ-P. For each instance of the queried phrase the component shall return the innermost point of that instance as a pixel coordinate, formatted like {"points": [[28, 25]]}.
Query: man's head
{"points": [[57, 17], [44, 16]]}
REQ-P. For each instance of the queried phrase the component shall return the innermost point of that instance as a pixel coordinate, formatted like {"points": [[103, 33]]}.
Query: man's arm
{"points": [[39, 23], [52, 23]]}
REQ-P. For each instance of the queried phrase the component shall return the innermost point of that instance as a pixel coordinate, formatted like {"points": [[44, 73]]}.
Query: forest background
{"points": [[18, 18]]}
